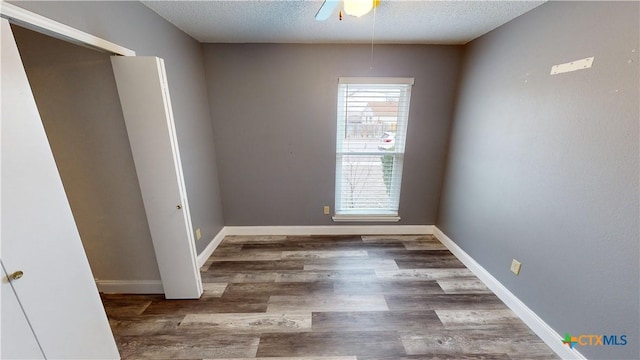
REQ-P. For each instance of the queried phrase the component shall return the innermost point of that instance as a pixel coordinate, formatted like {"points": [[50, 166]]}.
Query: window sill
{"points": [[367, 218]]}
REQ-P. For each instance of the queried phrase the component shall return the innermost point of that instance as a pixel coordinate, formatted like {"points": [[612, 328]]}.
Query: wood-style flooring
{"points": [[326, 298]]}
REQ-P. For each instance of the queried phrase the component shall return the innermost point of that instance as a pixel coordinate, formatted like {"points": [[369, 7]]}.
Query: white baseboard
{"points": [[330, 230], [155, 286], [537, 325], [204, 255], [130, 286], [311, 230]]}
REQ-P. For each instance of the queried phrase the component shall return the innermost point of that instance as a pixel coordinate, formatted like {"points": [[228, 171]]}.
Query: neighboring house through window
{"points": [[373, 114]]}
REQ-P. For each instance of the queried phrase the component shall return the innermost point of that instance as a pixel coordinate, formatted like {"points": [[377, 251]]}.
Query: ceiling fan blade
{"points": [[326, 9]]}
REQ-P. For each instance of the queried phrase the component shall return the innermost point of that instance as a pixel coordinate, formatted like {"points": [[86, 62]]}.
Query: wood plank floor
{"points": [[326, 298]]}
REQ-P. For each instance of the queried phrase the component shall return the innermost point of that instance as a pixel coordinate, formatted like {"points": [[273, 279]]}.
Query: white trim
{"points": [[130, 286], [204, 255], [376, 80], [310, 230], [330, 230], [539, 326], [33, 21], [372, 218]]}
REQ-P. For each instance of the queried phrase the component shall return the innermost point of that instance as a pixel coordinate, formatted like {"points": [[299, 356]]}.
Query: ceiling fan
{"points": [[355, 8]]}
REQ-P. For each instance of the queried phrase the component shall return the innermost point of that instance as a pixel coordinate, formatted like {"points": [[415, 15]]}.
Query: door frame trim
{"points": [[41, 24]]}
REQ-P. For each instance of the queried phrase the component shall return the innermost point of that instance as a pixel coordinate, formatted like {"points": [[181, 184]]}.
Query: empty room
{"points": [[320, 180]]}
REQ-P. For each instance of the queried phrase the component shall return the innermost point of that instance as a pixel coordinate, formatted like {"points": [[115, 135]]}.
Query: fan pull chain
{"points": [[373, 32]]}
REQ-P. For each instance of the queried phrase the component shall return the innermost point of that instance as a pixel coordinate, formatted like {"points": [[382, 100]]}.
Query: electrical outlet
{"points": [[326, 210], [515, 266], [198, 234]]}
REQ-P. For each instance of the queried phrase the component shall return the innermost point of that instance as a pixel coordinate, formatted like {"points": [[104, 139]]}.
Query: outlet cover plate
{"points": [[515, 266]]}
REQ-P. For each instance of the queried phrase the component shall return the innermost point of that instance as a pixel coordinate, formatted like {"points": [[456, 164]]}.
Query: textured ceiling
{"points": [[409, 22]]}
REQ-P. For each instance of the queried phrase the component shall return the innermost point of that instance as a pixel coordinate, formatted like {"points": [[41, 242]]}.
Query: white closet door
{"points": [[39, 235], [18, 341], [146, 106]]}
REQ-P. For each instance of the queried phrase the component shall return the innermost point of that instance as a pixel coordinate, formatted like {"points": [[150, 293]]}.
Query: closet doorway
{"points": [[76, 95], [110, 126]]}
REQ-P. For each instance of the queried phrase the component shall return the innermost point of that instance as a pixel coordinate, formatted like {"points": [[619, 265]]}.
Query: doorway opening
{"points": [[75, 91]]}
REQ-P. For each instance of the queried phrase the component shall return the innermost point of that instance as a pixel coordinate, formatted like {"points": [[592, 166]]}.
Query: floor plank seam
{"points": [[326, 298]]}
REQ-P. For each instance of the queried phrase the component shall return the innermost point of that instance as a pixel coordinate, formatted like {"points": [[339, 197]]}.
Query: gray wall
{"points": [[545, 168], [132, 25], [273, 108], [76, 94]]}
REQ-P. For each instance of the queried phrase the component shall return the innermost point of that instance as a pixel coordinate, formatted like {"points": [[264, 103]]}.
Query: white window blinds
{"points": [[372, 125]]}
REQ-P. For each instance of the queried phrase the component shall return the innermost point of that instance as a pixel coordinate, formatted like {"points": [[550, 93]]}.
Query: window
{"points": [[372, 125]]}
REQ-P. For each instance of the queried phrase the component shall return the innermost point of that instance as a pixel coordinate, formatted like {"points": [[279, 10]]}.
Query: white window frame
{"points": [[372, 215]]}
